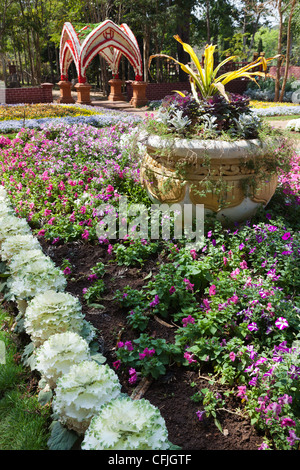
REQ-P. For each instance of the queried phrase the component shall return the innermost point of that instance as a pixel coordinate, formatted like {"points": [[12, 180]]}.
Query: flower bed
{"points": [[216, 338], [13, 118]]}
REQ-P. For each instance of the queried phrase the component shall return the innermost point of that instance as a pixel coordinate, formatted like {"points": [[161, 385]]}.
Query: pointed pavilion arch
{"points": [[107, 39]]}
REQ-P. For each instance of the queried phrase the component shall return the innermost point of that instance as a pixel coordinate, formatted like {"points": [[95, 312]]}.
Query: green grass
{"points": [[282, 118], [24, 423]]}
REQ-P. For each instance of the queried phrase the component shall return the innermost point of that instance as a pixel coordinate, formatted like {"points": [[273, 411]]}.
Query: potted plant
{"points": [[207, 147]]}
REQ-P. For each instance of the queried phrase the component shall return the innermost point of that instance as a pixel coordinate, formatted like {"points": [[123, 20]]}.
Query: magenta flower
{"points": [[212, 290], [67, 271], [253, 326], [286, 236], [189, 357], [232, 356], [172, 290], [85, 235], [200, 415], [188, 319], [281, 323], [154, 302], [287, 422], [117, 364]]}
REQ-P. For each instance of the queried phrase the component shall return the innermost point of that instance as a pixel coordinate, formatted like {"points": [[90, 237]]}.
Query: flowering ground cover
{"points": [[211, 331]]}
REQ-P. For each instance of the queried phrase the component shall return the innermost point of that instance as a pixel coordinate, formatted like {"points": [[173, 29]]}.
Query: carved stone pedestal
{"points": [[65, 92], [139, 94], [116, 90], [83, 93]]}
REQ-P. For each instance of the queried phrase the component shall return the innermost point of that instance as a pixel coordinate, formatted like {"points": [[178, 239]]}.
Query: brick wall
{"points": [[157, 91], [294, 71], [42, 94]]}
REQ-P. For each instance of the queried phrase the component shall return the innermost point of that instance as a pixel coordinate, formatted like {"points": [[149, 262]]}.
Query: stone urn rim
{"points": [[213, 148]]}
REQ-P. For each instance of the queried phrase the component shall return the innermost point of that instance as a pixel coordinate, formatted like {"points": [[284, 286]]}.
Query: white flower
{"points": [[33, 278], [17, 243], [21, 260], [59, 353], [52, 312], [11, 225], [126, 424], [80, 393]]}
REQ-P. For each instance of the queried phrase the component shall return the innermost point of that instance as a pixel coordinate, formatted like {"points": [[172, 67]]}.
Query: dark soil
{"points": [[172, 392]]}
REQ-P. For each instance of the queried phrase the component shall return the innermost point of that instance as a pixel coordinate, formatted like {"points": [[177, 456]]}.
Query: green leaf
{"points": [[61, 438], [45, 396], [217, 423]]}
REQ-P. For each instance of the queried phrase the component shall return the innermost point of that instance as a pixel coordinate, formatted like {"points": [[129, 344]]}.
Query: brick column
{"points": [[116, 90], [47, 92], [83, 93], [139, 94], [65, 92]]}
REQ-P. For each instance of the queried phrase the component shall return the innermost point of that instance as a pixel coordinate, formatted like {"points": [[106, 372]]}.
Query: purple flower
{"points": [[155, 301], [200, 415], [253, 327], [286, 236], [281, 323]]}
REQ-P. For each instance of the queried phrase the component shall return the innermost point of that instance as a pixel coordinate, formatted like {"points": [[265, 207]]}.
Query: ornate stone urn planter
{"points": [[231, 179]]}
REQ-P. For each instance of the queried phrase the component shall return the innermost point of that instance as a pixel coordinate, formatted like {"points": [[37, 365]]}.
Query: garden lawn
{"points": [[24, 423], [212, 331]]}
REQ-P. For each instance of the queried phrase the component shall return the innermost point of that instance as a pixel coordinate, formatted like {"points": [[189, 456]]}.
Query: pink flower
{"points": [[117, 364], [110, 189], [172, 290], [188, 319], [193, 253], [109, 249], [212, 290], [232, 356], [189, 357], [189, 285], [243, 265], [235, 273], [85, 234], [281, 323], [67, 271], [41, 233]]}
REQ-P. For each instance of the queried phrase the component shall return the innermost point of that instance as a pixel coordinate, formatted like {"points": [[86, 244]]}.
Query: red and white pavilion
{"points": [[111, 42]]}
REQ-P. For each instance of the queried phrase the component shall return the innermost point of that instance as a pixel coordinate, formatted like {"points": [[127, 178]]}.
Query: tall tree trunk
{"points": [[279, 49], [288, 51]]}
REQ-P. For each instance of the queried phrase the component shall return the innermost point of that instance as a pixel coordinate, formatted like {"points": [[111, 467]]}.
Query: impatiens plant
{"points": [[80, 394], [126, 424], [56, 355], [52, 312]]}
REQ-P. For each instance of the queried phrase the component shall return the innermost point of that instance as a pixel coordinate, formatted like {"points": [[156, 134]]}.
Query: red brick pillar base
{"points": [[139, 94], [116, 90], [83, 93], [65, 92], [47, 92]]}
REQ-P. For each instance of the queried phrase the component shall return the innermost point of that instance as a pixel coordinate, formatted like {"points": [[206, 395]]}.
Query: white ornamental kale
{"points": [[17, 243], [293, 125], [80, 394], [11, 225], [126, 424], [59, 353], [21, 260], [5, 208], [52, 312], [35, 277]]}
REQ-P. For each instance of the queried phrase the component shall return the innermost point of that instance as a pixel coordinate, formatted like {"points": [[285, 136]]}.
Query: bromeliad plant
{"points": [[209, 105], [206, 80]]}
